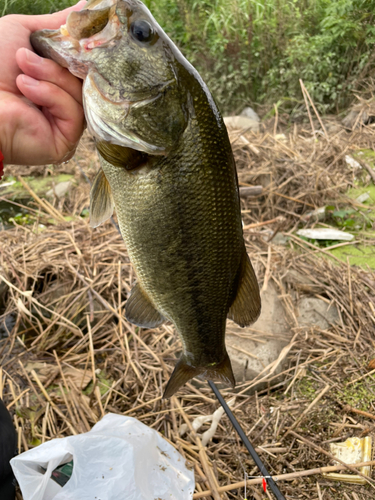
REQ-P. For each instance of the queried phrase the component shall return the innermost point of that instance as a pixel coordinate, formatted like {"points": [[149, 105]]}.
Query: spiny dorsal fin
{"points": [[140, 311], [101, 205], [245, 308], [184, 371]]}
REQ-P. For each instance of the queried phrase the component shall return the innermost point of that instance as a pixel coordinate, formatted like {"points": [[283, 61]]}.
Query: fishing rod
{"points": [[265, 474]]}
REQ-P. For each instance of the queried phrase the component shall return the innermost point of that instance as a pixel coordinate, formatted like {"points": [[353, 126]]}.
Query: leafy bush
{"points": [[33, 7], [255, 51]]}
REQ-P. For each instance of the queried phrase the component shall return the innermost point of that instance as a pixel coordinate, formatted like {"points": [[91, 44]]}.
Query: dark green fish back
{"points": [[181, 222]]}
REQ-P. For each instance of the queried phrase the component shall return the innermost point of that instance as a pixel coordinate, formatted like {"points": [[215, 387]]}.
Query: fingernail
{"points": [[33, 58], [27, 80]]}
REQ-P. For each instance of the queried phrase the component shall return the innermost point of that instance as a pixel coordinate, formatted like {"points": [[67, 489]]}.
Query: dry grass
{"points": [[70, 356]]}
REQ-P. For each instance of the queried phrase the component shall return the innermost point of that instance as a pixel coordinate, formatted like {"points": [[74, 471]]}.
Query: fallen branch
{"points": [[321, 450], [307, 410], [359, 412], [284, 477], [265, 223], [246, 191], [368, 167]]}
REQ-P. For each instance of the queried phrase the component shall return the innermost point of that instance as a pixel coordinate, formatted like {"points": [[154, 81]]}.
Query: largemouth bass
{"points": [[167, 168]]}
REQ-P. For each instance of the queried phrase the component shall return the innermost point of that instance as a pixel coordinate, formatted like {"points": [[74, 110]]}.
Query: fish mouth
{"points": [[84, 31], [106, 108]]}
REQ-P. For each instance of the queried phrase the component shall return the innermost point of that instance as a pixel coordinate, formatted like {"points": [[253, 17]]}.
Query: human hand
{"points": [[41, 114]]}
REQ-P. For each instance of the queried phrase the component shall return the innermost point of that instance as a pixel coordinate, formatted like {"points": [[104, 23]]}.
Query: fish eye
{"points": [[142, 31]]}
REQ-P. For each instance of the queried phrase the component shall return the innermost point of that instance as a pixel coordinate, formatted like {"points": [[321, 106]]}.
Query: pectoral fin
{"points": [[140, 311], [120, 156], [184, 371], [101, 206], [245, 308]]}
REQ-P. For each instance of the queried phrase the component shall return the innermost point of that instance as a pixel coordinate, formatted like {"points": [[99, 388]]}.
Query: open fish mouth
{"points": [[94, 26], [107, 107]]}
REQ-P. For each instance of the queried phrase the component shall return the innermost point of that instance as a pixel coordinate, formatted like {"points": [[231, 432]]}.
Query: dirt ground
{"points": [[67, 356]]}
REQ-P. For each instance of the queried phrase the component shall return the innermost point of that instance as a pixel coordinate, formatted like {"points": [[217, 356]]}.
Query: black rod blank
{"points": [[275, 490]]}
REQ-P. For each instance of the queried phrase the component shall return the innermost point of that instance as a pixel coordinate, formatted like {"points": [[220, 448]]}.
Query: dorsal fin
{"points": [[101, 200], [184, 371], [245, 308], [140, 311]]}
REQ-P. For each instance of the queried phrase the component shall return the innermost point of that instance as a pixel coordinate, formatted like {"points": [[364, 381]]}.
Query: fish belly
{"points": [[182, 228]]}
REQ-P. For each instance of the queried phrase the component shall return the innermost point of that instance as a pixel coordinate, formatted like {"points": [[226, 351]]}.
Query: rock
{"points": [[250, 113], [316, 312], [355, 118], [352, 163], [241, 122], [363, 197], [274, 334], [325, 233], [40, 186], [333, 128], [280, 239], [315, 215], [301, 282], [60, 189], [281, 137]]}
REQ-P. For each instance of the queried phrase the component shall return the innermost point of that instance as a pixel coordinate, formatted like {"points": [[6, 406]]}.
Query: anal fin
{"points": [[101, 200], [140, 311], [245, 308], [183, 372]]}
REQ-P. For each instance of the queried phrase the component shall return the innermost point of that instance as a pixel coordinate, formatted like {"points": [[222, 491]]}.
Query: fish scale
{"points": [[167, 168], [183, 234]]}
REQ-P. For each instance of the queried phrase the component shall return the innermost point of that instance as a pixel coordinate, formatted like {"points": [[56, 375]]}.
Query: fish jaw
{"points": [[119, 94], [62, 49], [70, 49]]}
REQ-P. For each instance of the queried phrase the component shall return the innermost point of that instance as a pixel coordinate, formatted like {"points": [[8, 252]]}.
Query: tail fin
{"points": [[183, 372]]}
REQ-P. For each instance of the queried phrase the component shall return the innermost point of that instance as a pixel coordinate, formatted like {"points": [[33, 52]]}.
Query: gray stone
{"points": [[241, 123], [316, 312], [253, 348], [280, 239], [250, 113], [60, 189]]}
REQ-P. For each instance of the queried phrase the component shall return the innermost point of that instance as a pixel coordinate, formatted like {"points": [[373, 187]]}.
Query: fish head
{"points": [[132, 94]]}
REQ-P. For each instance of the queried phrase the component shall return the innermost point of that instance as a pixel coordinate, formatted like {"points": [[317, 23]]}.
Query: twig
{"points": [[285, 477], [43, 203], [246, 191], [265, 223], [307, 106], [202, 454], [306, 411], [359, 412], [368, 167], [362, 377], [314, 108], [321, 450]]}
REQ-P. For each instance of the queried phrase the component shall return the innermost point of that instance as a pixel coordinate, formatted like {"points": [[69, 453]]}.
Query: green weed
{"points": [[255, 51]]}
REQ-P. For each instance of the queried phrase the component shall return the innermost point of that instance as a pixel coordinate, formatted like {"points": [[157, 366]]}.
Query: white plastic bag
{"points": [[119, 459]]}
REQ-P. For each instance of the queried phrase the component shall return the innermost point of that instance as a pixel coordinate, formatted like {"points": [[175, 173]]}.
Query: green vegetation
{"points": [[255, 51], [34, 7], [359, 395]]}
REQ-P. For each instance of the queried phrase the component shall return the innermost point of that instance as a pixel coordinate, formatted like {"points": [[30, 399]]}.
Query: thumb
{"points": [[51, 21]]}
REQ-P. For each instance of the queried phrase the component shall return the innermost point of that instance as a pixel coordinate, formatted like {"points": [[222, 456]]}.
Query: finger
{"points": [[47, 70], [64, 112], [51, 21]]}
